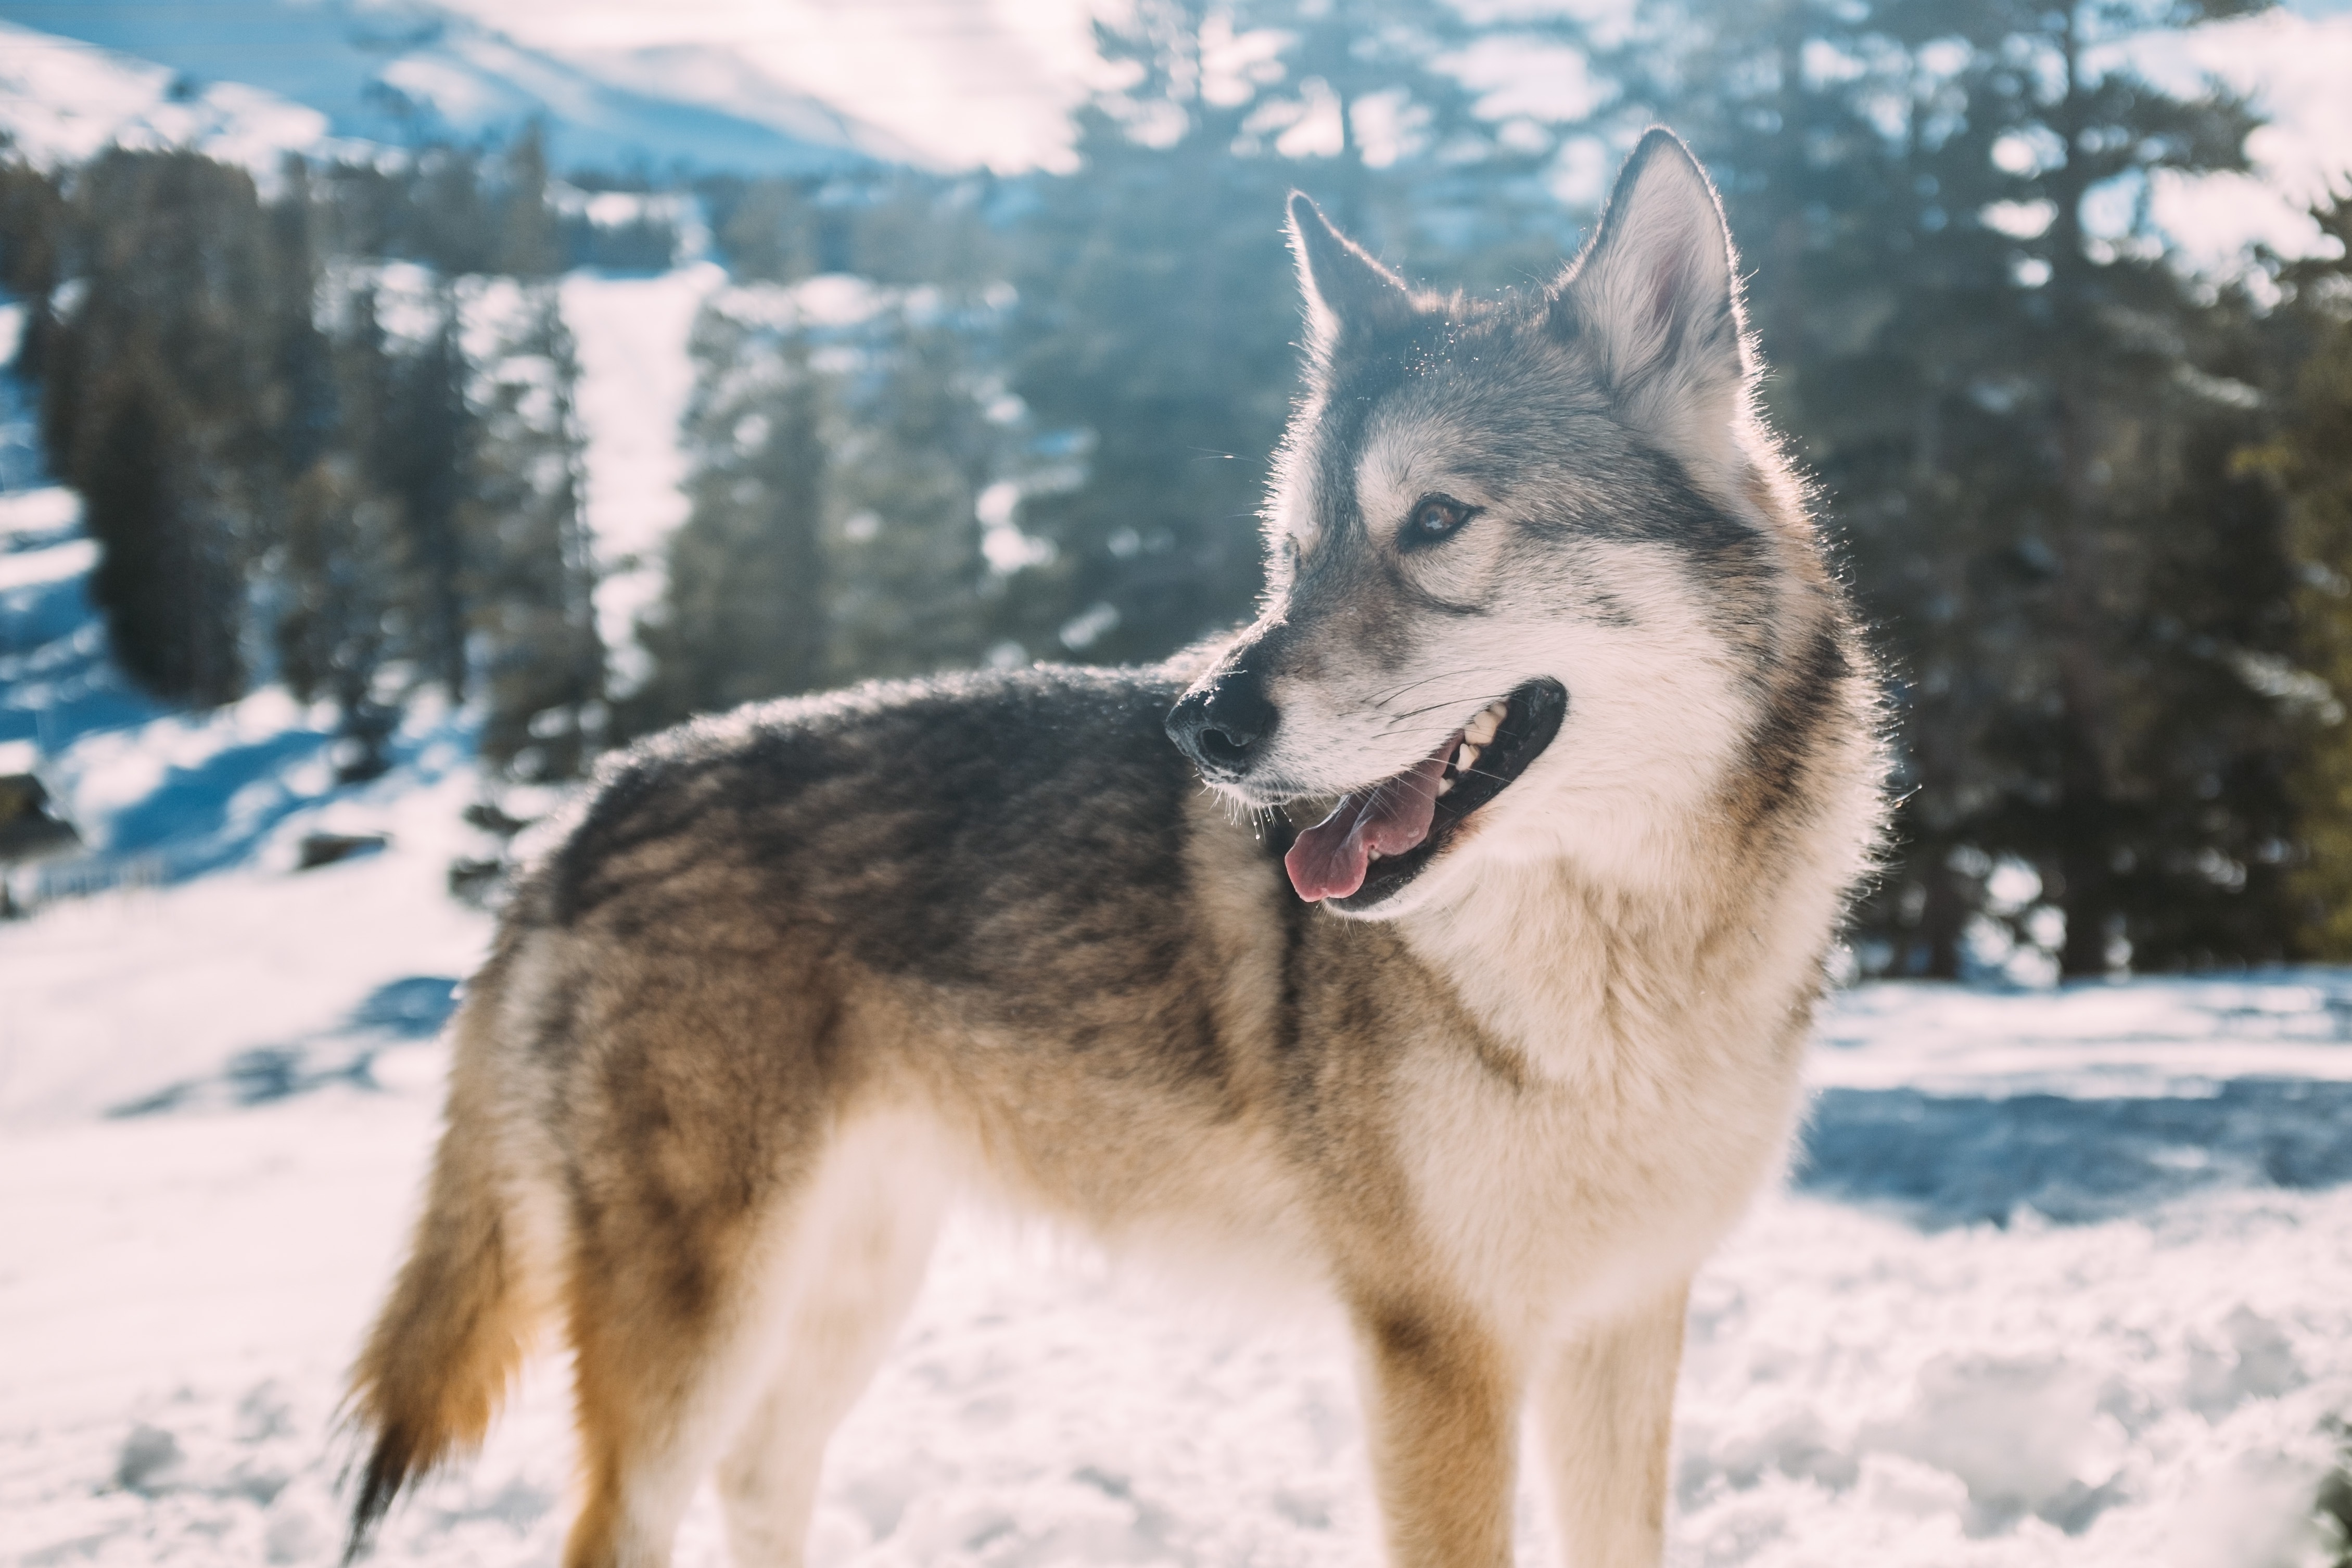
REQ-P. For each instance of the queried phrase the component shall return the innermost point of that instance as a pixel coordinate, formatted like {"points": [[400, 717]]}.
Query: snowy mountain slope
{"points": [[969, 83], [62, 100], [724, 79], [286, 73]]}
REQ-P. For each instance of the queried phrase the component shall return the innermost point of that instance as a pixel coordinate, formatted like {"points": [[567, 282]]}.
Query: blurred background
{"points": [[569, 370], [406, 403]]}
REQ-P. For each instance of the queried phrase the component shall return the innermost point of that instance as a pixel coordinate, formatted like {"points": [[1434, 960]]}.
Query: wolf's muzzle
{"points": [[1219, 726]]}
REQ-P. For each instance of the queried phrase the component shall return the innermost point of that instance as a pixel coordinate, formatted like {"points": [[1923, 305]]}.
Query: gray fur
{"points": [[793, 978]]}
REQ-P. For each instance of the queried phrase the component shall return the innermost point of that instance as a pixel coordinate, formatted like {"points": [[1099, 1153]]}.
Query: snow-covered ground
{"points": [[2068, 1280]]}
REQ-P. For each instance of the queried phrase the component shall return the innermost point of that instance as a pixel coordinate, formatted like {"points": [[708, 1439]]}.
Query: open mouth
{"points": [[1380, 836]]}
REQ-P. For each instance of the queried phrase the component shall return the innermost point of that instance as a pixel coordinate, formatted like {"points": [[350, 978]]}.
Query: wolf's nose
{"points": [[1217, 728]]}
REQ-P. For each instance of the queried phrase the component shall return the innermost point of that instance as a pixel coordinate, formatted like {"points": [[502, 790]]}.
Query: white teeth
{"points": [[1476, 735]]}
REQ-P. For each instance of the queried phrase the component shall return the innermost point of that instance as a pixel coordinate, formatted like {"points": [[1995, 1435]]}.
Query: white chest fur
{"points": [[1658, 1044]]}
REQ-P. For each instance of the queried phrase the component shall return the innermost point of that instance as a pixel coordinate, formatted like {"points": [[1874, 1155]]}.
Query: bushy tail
{"points": [[453, 1330]]}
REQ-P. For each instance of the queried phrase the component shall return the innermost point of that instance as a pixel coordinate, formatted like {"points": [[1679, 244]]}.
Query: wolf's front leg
{"points": [[1604, 1404], [1441, 1406]]}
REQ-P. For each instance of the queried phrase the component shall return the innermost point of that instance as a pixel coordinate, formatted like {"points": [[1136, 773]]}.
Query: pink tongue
{"points": [[1327, 860]]}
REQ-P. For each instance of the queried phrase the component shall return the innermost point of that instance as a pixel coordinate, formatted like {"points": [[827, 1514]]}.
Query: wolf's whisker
{"points": [[1387, 698], [1416, 713]]}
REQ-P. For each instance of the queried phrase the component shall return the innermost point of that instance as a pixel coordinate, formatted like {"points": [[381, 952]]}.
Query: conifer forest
{"points": [[2095, 501]]}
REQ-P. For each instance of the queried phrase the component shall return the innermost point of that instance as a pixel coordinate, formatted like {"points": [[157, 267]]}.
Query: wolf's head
{"points": [[1535, 570]]}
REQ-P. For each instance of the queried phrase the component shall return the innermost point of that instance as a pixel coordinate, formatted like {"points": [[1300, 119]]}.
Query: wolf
{"points": [[1470, 992]]}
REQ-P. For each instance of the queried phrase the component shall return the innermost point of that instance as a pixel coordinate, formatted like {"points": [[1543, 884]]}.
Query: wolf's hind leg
{"points": [[699, 1144], [1605, 1405], [855, 1270], [1441, 1399], [670, 1349]]}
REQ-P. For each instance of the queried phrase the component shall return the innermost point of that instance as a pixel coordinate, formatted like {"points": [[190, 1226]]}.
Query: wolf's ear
{"points": [[1656, 293], [1347, 293]]}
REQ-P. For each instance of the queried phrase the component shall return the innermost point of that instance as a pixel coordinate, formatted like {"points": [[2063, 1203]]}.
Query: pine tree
{"points": [[446, 214], [918, 229], [304, 415], [533, 583], [170, 345], [332, 640], [2309, 458], [331, 565], [1155, 326], [910, 586], [743, 614], [165, 579], [2022, 412], [421, 460], [1367, 103], [32, 230], [260, 483], [529, 242], [646, 241], [767, 228]]}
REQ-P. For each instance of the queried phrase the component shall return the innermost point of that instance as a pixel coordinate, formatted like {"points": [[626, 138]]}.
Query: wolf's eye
{"points": [[1435, 518]]}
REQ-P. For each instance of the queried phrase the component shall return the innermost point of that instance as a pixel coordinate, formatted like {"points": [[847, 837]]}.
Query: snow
{"points": [[219, 1097], [2293, 67], [63, 101], [2144, 1391], [247, 82], [197, 977], [725, 76], [960, 86], [635, 379], [55, 682], [2152, 1037], [40, 568]]}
